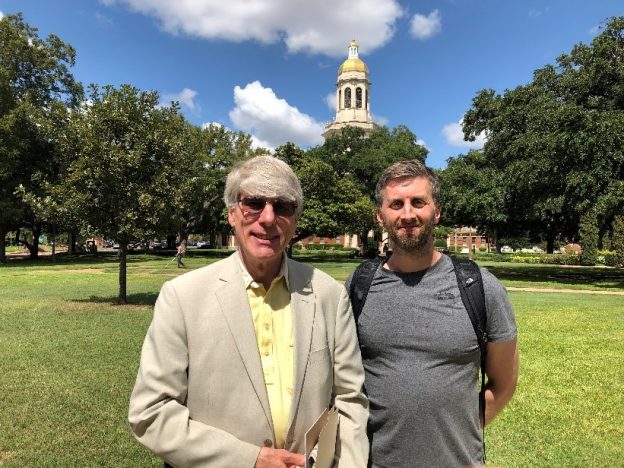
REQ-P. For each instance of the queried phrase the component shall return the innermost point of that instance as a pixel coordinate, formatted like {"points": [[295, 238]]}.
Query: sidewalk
{"points": [[569, 291]]}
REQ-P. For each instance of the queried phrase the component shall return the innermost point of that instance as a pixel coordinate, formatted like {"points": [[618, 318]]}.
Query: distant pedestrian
{"points": [[181, 251]]}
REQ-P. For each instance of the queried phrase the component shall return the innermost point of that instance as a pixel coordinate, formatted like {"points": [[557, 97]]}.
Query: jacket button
{"points": [[268, 443]]}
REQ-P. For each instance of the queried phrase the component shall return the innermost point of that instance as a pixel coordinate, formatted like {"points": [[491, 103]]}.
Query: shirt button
{"points": [[266, 353], [268, 443], [267, 326]]}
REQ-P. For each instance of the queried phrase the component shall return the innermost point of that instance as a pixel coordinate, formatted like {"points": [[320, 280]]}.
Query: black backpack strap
{"points": [[472, 293], [360, 284]]}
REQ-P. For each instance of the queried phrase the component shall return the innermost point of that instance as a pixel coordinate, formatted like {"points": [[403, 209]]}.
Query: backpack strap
{"points": [[472, 294], [360, 284]]}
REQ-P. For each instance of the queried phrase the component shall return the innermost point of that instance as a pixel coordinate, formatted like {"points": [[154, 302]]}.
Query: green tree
{"points": [[359, 160], [130, 166], [617, 239], [474, 194], [363, 158], [34, 77], [291, 154], [332, 205], [588, 238], [558, 141], [199, 205]]}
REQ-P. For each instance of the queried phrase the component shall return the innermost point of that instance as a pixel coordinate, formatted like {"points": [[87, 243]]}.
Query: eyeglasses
{"points": [[253, 206]]}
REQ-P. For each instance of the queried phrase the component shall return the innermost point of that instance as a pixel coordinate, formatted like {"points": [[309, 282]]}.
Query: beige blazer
{"points": [[200, 397]]}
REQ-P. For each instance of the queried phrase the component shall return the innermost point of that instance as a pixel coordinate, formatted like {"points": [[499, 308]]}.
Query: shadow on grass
{"points": [[606, 278], [133, 299], [61, 259]]}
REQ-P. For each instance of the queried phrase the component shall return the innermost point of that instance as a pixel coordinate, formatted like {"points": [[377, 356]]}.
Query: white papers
{"points": [[320, 440]]}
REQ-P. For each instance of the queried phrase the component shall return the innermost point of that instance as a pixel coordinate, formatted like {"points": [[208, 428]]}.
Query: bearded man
{"points": [[420, 352]]}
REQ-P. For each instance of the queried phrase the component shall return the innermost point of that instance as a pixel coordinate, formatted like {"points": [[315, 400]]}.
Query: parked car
{"points": [[203, 244], [158, 244]]}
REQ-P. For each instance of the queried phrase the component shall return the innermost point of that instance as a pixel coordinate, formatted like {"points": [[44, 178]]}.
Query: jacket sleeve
{"points": [[158, 416], [352, 444]]}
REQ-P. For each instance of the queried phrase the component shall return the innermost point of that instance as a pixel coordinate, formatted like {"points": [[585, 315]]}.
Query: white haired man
{"points": [[243, 355]]}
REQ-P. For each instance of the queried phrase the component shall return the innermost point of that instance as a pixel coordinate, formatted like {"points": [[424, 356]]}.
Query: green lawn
{"points": [[68, 359]]}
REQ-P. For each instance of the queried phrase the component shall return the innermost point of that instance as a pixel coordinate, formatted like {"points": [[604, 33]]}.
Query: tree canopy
{"points": [[556, 144], [34, 79]]}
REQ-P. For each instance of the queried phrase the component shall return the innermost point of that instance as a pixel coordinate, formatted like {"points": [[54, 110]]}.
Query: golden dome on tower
{"points": [[353, 62]]}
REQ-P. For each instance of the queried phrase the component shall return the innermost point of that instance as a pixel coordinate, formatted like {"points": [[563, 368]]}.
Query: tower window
{"points": [[339, 98], [366, 98], [347, 100], [358, 97]]}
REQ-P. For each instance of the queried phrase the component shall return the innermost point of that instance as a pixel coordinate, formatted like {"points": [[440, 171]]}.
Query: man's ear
{"points": [[231, 219], [379, 218], [438, 213]]}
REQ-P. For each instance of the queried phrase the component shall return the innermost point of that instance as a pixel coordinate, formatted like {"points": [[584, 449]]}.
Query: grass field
{"points": [[69, 355]]}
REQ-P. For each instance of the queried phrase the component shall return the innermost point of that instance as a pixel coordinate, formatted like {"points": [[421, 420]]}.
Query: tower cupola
{"points": [[352, 95]]}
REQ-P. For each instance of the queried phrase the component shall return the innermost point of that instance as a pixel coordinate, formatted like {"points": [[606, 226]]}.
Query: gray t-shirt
{"points": [[421, 359]]}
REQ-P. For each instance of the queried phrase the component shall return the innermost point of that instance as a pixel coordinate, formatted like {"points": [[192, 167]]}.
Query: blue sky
{"points": [[268, 67]]}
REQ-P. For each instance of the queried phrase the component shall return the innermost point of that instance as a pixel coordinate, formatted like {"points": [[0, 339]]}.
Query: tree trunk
{"points": [[34, 248], [71, 241], [550, 244], [53, 242], [123, 253], [494, 239], [3, 233]]}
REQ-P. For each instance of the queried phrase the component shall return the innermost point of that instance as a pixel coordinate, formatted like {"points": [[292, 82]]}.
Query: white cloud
{"points": [[594, 31], [271, 120], [205, 125], [186, 98], [455, 136], [1, 15], [423, 27], [422, 143], [103, 19], [320, 26], [378, 119], [537, 13], [330, 100]]}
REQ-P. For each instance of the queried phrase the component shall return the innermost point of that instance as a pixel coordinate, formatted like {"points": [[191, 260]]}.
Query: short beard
{"points": [[410, 244]]}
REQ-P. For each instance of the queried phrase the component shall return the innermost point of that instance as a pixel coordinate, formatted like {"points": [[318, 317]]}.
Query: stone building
{"points": [[466, 239], [352, 95]]}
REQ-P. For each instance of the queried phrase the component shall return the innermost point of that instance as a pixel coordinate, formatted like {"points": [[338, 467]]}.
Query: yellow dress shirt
{"points": [[272, 319]]}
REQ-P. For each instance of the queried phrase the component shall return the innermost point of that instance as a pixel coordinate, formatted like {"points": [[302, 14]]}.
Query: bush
{"points": [[440, 243], [547, 259], [322, 247], [606, 257], [530, 258]]}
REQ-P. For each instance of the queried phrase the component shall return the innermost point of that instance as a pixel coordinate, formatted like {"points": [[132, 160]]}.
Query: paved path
{"points": [[569, 291]]}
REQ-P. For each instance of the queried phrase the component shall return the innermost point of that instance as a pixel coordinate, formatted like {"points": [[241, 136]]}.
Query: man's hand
{"points": [[279, 458]]}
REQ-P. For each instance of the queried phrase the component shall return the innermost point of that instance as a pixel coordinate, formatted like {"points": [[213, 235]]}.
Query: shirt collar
{"points": [[248, 280]]}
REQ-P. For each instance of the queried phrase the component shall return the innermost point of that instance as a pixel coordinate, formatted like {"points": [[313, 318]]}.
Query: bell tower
{"points": [[352, 95]]}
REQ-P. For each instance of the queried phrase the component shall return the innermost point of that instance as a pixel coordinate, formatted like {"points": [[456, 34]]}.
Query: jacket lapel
{"points": [[234, 304], [303, 310]]}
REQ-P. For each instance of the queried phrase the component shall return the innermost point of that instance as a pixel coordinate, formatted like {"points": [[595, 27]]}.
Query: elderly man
{"points": [[243, 355]]}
